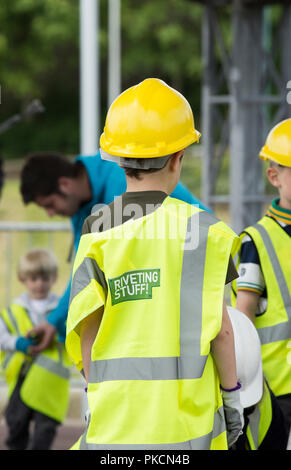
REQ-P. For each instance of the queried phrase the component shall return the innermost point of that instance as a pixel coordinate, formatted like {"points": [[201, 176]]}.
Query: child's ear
{"points": [[273, 176], [176, 160]]}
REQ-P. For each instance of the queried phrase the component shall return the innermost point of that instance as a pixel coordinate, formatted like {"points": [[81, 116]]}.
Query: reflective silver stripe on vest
{"points": [[200, 443], [52, 366], [281, 331], [13, 321], [190, 364], [8, 356], [192, 279], [84, 274], [254, 424], [147, 368]]}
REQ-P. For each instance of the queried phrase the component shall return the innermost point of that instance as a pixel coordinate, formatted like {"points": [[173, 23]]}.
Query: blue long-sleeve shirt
{"points": [[107, 180]]}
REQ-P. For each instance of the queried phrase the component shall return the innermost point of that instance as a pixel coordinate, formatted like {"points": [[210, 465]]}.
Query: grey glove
{"points": [[233, 412]]}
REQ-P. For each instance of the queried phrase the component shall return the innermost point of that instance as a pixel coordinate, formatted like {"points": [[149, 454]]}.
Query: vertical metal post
{"points": [[286, 57], [250, 76], [114, 41], [207, 114], [246, 117], [89, 76], [90, 86], [267, 44]]}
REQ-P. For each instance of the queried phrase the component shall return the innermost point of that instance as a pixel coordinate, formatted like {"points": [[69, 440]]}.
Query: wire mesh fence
{"points": [[15, 239], [18, 237]]}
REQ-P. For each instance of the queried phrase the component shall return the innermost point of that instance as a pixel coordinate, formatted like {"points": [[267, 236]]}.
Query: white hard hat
{"points": [[248, 357]]}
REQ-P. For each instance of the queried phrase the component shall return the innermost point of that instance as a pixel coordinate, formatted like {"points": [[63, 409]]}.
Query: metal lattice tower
{"points": [[244, 94]]}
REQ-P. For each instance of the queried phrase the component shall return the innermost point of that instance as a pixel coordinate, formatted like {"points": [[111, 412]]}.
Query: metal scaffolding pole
{"points": [[286, 51], [114, 70], [207, 92], [89, 90], [89, 76], [244, 94], [246, 117]]}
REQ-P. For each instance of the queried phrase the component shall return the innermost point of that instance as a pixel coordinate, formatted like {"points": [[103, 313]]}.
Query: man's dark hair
{"points": [[41, 172]]}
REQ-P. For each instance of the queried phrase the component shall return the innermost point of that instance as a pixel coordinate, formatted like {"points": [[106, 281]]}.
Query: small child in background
{"points": [[38, 387]]}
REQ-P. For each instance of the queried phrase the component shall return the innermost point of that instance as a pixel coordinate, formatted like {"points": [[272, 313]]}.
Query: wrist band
{"points": [[238, 386]]}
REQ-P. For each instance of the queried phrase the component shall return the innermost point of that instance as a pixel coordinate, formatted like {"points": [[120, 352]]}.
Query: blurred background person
{"points": [[73, 189], [38, 386]]}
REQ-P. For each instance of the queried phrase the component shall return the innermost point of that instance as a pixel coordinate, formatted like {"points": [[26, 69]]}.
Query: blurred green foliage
{"points": [[39, 57]]}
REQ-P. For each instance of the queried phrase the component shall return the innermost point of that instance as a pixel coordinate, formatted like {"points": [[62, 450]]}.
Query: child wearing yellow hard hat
{"points": [[147, 321], [264, 286]]}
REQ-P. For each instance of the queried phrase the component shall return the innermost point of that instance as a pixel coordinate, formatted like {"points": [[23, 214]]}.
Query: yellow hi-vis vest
{"points": [[259, 420], [161, 278], [46, 384], [274, 326]]}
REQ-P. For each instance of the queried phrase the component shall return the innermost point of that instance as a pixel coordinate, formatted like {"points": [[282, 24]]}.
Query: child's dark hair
{"points": [[135, 173]]}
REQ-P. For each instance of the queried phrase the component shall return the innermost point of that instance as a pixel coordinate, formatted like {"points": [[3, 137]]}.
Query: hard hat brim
{"points": [[267, 154], [132, 150], [136, 163]]}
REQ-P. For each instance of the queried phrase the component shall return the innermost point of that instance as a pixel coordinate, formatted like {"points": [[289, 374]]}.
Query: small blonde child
{"points": [[37, 386]]}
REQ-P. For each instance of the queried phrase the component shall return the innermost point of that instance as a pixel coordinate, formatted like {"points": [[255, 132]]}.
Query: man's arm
{"points": [[88, 331]]}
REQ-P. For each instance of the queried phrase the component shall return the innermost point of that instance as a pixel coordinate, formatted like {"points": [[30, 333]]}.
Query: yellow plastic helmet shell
{"points": [[148, 120], [278, 144]]}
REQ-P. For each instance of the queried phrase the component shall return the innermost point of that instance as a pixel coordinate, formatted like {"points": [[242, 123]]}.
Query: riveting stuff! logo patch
{"points": [[134, 285]]}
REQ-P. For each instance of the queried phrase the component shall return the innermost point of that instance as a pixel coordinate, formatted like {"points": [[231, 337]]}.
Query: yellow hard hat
{"points": [[278, 144], [148, 120]]}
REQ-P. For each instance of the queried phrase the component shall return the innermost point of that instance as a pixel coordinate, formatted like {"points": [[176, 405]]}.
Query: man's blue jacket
{"points": [[107, 181]]}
